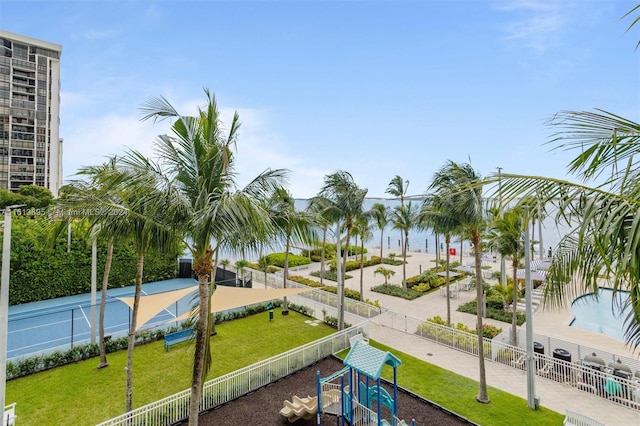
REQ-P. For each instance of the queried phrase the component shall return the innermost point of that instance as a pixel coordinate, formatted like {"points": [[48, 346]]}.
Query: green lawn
{"points": [[80, 394], [457, 393]]}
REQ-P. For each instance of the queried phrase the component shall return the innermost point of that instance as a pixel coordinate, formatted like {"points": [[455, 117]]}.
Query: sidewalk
{"points": [[553, 395]]}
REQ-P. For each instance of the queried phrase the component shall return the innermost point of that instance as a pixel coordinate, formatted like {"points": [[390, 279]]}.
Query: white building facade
{"points": [[30, 143]]}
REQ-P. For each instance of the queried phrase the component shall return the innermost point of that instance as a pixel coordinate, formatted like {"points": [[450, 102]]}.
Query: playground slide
{"points": [[300, 408], [306, 408]]}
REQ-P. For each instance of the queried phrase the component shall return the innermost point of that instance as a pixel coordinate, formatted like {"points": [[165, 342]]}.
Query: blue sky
{"points": [[374, 88]]}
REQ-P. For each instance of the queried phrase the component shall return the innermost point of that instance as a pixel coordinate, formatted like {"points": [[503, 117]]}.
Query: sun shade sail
{"points": [[152, 304], [225, 298]]}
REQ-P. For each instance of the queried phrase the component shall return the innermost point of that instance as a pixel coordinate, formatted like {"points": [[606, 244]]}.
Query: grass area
{"points": [[80, 394], [457, 393]]}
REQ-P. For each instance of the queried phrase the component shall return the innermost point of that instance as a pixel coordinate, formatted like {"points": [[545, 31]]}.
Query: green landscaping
{"points": [[457, 393], [81, 394]]}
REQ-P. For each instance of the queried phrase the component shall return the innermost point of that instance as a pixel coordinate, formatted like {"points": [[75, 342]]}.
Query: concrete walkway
{"points": [[553, 395]]}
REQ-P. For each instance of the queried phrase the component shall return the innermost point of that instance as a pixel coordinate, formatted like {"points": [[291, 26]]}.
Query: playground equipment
{"points": [[362, 398], [306, 408]]}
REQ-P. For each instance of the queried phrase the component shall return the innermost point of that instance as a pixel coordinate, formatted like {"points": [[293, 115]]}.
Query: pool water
{"points": [[602, 314]]}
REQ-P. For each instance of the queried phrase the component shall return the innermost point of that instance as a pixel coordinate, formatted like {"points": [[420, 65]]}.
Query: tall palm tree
{"points": [[317, 213], [381, 216], [461, 185], [140, 220], [505, 235], [398, 188], [437, 215], [363, 229], [291, 225], [195, 175], [343, 200], [405, 217]]}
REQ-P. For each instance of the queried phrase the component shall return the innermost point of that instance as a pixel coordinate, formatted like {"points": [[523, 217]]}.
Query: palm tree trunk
{"points": [[361, 269], [103, 302], [343, 267], [381, 242], [482, 396], [404, 261], [322, 254], [285, 274], [447, 241], [132, 332], [514, 318]]}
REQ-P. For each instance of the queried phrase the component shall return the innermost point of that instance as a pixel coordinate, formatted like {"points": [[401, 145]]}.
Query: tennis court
{"points": [[62, 323]]}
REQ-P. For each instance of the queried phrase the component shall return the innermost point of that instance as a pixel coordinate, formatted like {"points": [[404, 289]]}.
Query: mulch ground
{"points": [[262, 407]]}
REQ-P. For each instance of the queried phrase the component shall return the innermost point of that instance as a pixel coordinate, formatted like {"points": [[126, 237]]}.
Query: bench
{"points": [[171, 339], [576, 419]]}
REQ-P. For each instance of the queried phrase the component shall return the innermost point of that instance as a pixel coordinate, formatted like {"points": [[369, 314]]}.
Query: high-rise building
{"points": [[30, 143]]}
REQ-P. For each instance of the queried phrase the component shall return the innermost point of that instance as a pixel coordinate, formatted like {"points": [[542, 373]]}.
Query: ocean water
{"points": [[424, 241]]}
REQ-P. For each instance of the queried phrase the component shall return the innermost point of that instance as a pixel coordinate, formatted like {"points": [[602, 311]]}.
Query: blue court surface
{"points": [[60, 324]]}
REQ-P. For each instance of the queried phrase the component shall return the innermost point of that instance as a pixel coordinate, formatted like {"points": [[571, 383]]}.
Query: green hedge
{"points": [[393, 290], [294, 260], [45, 270], [496, 314], [427, 280]]}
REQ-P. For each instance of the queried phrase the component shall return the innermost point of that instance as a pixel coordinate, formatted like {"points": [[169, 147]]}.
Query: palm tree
{"points": [[291, 226], [240, 267], [343, 201], [436, 214], [404, 217], [317, 210], [363, 229], [398, 188], [602, 209], [141, 221], [386, 273], [505, 235], [381, 216], [195, 175], [460, 185]]}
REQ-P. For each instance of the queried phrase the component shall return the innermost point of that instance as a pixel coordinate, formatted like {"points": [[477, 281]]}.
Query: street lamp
{"points": [[4, 301], [503, 268], [531, 385]]}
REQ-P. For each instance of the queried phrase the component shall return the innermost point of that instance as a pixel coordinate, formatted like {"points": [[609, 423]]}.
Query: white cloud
{"points": [[535, 24]]}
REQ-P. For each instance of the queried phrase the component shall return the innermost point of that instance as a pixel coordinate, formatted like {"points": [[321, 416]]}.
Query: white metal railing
{"points": [[577, 419], [614, 385], [233, 385], [9, 415]]}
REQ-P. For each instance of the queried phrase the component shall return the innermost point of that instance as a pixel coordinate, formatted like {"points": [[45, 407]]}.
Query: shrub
{"points": [[305, 281], [393, 290], [392, 261], [496, 314], [294, 260], [329, 275], [427, 277]]}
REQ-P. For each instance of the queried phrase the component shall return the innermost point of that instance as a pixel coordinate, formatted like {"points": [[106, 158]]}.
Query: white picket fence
{"points": [[231, 386]]}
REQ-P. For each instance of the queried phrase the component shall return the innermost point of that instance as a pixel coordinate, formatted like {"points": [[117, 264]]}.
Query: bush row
{"points": [[294, 260], [394, 290], [488, 331], [492, 312], [352, 265], [351, 294]]}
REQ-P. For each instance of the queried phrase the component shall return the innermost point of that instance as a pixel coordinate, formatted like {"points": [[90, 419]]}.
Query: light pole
{"points": [[4, 301], [503, 268], [531, 384]]}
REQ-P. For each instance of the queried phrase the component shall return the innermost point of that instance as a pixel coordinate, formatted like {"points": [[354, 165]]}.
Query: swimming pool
{"points": [[602, 314]]}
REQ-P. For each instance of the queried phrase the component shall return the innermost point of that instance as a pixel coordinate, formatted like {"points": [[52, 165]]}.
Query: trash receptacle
{"points": [[184, 271], [564, 355], [538, 348]]}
